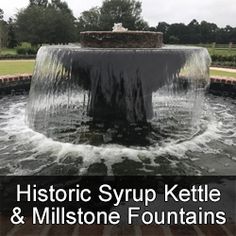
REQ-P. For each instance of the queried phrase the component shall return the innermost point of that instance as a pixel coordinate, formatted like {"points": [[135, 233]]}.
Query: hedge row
{"points": [[224, 64], [11, 56], [223, 58], [26, 51]]}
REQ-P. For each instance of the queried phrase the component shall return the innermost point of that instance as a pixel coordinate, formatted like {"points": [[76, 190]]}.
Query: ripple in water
{"points": [[180, 145]]}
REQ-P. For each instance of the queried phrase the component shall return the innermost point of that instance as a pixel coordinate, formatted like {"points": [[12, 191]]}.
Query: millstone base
{"points": [[128, 39]]}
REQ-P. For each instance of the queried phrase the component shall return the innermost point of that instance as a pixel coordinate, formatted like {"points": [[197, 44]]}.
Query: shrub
{"points": [[224, 63], [223, 58], [26, 49], [17, 56], [21, 51]]}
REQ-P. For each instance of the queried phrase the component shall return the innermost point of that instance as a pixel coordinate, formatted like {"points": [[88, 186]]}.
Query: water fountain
{"points": [[121, 104], [108, 84]]}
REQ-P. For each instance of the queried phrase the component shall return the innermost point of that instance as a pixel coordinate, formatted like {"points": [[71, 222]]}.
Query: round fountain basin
{"points": [[127, 39]]}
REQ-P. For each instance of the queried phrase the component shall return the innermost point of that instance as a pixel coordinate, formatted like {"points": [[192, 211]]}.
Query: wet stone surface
{"points": [[128, 39]]}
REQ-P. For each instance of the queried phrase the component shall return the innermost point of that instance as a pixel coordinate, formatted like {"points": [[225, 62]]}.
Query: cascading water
{"points": [[96, 96], [114, 110]]}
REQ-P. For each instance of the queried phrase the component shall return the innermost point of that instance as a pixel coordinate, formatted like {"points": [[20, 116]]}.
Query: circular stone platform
{"points": [[127, 39]]}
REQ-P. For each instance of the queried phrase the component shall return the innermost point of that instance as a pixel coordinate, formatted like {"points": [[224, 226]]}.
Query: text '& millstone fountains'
{"points": [[108, 85]]}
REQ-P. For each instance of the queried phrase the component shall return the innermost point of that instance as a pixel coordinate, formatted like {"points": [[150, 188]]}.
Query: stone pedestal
{"points": [[127, 39]]}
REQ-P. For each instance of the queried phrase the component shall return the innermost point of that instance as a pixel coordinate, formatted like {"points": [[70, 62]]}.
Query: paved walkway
{"points": [[223, 69]]}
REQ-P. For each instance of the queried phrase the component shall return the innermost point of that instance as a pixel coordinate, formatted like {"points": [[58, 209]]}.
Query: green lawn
{"points": [[13, 67], [223, 73]]}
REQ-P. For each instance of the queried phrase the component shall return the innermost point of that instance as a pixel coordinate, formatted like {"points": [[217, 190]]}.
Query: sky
{"points": [[221, 12]]}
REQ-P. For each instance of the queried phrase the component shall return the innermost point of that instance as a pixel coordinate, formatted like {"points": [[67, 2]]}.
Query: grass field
{"points": [[13, 67]]}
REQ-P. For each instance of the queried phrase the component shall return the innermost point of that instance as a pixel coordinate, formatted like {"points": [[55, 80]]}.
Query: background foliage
{"points": [[52, 22]]}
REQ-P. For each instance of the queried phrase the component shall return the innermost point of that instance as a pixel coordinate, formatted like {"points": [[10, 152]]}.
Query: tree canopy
{"points": [[44, 22], [1, 14], [12, 40], [3, 30], [195, 33], [89, 20], [127, 12], [52, 22]]}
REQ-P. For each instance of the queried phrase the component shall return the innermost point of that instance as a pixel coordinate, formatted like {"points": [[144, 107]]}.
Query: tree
{"points": [[127, 12], [179, 31], [31, 24], [63, 7], [232, 36], [173, 39], [43, 22], [43, 3], [61, 20], [12, 41], [228, 33], [208, 32], [89, 20], [3, 30], [1, 14], [163, 27], [194, 32]]}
